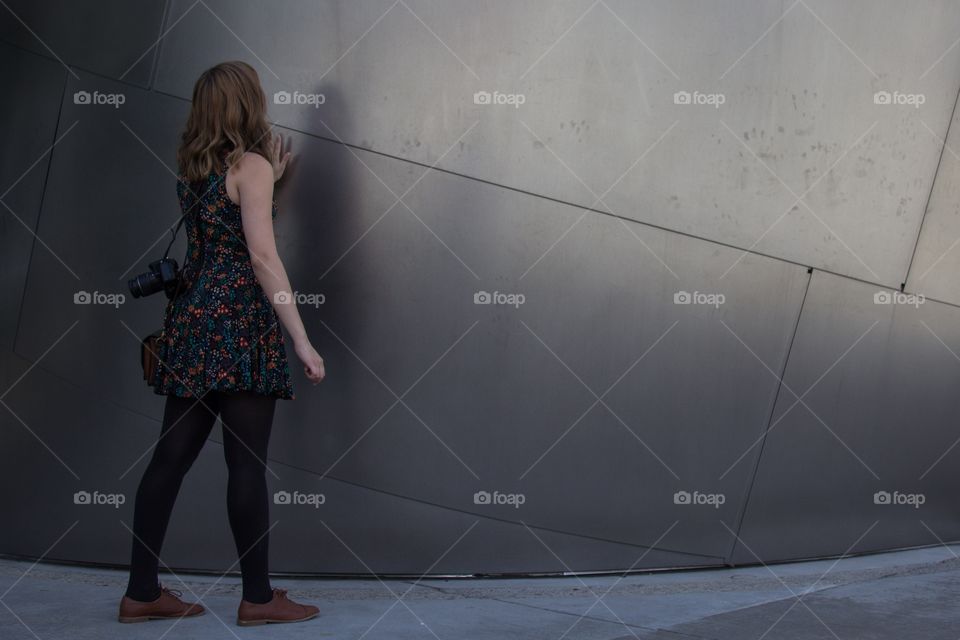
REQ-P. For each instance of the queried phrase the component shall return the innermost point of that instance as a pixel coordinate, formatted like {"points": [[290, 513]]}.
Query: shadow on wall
{"points": [[315, 226]]}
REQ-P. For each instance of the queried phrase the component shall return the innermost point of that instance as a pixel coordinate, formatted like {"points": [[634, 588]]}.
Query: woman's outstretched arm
{"points": [[254, 178]]}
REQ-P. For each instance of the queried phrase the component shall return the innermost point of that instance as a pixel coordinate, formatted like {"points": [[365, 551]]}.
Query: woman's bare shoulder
{"points": [[252, 162], [252, 170]]}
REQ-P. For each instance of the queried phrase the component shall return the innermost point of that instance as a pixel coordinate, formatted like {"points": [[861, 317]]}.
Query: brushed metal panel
{"points": [[937, 258], [879, 413], [482, 397], [110, 37], [599, 84], [371, 530], [28, 124], [110, 198]]}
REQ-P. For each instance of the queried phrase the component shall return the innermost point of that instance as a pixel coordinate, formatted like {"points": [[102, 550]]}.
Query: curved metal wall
{"points": [[695, 219]]}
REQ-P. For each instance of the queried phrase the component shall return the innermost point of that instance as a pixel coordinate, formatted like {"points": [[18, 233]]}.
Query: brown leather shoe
{"points": [[167, 605], [279, 609]]}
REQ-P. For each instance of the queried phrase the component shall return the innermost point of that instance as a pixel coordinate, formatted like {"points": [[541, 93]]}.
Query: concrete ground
{"points": [[901, 595]]}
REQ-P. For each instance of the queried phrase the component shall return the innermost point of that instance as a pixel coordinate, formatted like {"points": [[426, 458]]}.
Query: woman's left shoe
{"points": [[279, 609], [167, 605]]}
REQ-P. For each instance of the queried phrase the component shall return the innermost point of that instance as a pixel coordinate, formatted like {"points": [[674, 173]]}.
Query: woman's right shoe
{"points": [[167, 605], [279, 609]]}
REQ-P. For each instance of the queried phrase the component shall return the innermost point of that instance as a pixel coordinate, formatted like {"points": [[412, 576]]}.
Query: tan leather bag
{"points": [[148, 356]]}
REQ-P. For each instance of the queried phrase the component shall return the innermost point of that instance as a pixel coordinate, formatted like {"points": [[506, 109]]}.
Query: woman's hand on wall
{"points": [[279, 158]]}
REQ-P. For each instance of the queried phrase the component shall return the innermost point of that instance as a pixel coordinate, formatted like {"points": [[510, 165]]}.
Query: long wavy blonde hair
{"points": [[227, 118]]}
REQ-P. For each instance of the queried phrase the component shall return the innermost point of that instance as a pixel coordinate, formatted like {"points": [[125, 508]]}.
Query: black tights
{"points": [[247, 419]]}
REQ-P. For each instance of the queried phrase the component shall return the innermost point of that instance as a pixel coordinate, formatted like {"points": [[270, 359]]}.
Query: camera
{"points": [[164, 274]]}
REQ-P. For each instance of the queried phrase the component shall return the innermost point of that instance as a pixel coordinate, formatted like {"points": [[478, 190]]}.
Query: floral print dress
{"points": [[220, 332]]}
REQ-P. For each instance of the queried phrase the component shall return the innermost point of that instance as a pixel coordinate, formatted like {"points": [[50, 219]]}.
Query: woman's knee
{"points": [[242, 463], [169, 462]]}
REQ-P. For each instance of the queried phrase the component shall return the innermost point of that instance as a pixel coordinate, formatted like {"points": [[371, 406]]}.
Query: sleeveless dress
{"points": [[221, 332]]}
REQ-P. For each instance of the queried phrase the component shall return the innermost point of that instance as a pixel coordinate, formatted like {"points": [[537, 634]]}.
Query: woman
{"points": [[223, 352]]}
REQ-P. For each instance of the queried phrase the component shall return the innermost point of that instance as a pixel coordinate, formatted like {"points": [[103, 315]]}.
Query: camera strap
{"points": [[173, 237]]}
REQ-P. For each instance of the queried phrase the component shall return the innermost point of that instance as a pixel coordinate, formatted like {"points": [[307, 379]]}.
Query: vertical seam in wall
{"points": [[43, 196], [776, 396], [933, 184], [155, 63]]}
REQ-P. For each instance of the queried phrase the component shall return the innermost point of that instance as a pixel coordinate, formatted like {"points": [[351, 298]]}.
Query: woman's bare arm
{"points": [[254, 177]]}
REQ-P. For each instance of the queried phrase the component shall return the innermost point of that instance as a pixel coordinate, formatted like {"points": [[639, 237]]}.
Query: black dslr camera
{"points": [[164, 274]]}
